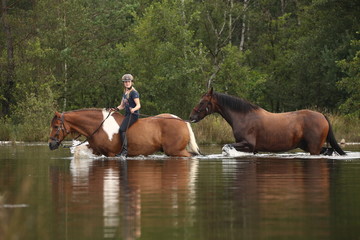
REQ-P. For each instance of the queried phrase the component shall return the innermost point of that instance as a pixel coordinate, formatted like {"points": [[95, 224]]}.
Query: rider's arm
{"points": [[137, 107], [121, 106]]}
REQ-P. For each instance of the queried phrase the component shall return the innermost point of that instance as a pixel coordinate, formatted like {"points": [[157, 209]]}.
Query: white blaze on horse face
{"points": [[110, 126]]}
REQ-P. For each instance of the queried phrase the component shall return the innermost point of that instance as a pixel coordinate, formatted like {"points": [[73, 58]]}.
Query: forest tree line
{"points": [[280, 54]]}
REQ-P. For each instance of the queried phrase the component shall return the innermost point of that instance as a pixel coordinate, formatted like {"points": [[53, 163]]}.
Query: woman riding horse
{"points": [[131, 102]]}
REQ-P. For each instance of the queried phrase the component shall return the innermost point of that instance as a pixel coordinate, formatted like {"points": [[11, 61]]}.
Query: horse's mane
{"points": [[235, 103], [77, 110], [85, 109]]}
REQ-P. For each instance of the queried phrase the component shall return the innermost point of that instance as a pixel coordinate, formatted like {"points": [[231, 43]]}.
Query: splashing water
{"points": [[230, 151], [84, 152]]}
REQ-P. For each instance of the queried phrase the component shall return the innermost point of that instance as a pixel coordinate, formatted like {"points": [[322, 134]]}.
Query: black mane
{"points": [[235, 103]]}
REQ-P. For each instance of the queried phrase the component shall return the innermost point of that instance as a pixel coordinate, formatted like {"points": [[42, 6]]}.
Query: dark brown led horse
{"points": [[256, 129], [164, 132]]}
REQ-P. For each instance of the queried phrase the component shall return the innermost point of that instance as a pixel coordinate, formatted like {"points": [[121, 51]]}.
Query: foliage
{"points": [[166, 61], [31, 117], [282, 55], [351, 83], [237, 78]]}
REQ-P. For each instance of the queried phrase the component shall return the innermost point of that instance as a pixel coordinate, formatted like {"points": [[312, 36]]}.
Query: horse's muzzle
{"points": [[194, 118], [53, 145]]}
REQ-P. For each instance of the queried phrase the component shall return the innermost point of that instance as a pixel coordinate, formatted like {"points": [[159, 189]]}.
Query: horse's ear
{"points": [[211, 91], [57, 114]]}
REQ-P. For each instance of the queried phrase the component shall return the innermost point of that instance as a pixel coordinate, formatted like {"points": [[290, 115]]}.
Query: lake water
{"points": [[52, 195]]}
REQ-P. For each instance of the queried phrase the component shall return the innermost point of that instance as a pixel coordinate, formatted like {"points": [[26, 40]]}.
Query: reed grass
{"points": [[6, 130], [345, 127], [213, 129]]}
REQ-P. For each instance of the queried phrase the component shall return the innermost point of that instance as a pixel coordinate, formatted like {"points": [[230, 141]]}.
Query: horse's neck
{"points": [[226, 113], [232, 116], [83, 123]]}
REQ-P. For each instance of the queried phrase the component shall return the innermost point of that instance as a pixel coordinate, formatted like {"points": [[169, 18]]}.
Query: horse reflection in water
{"points": [[118, 187], [135, 197], [283, 197]]}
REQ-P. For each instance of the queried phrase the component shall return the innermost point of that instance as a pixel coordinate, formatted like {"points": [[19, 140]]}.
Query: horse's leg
{"points": [[182, 153], [315, 143], [313, 146], [327, 151], [243, 146], [176, 152], [176, 148]]}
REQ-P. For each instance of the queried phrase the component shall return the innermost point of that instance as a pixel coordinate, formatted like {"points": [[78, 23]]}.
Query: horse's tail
{"points": [[331, 139], [192, 146]]}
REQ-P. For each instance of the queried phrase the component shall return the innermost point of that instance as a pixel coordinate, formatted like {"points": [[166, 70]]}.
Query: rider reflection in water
{"points": [[131, 102]]}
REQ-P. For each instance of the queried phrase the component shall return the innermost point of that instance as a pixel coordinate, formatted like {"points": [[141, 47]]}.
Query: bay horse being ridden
{"points": [[256, 129], [164, 132]]}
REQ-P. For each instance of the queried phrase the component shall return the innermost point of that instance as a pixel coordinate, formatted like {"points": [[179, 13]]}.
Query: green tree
{"points": [[13, 16], [84, 35], [297, 45], [165, 59], [351, 83], [237, 78]]}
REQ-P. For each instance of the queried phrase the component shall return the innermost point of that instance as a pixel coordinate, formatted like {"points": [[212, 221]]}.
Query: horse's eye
{"points": [[56, 127]]}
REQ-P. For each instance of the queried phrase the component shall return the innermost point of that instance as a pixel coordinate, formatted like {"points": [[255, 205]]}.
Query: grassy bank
{"points": [[345, 127], [31, 131], [214, 129]]}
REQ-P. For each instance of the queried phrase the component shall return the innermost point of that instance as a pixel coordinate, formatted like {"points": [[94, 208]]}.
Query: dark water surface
{"points": [[50, 195]]}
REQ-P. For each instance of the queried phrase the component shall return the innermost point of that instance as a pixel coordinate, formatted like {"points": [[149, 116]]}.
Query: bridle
{"points": [[203, 107], [60, 128]]}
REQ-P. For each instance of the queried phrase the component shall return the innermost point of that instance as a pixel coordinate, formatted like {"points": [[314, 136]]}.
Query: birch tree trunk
{"points": [[230, 19], [243, 28], [282, 6], [62, 14]]}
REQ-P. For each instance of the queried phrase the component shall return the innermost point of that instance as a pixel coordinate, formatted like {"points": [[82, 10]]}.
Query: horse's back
{"points": [[164, 120], [305, 118], [163, 132]]}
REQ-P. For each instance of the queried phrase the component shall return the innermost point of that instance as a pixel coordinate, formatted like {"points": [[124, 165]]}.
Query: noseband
{"points": [[60, 128], [204, 107]]}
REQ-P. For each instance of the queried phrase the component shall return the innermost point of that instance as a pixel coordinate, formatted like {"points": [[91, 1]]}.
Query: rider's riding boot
{"points": [[123, 153]]}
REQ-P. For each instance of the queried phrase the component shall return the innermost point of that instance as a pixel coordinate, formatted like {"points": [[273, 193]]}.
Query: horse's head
{"points": [[204, 108], [58, 131]]}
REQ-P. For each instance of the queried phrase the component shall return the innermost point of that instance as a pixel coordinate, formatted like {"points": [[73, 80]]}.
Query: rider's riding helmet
{"points": [[127, 77]]}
